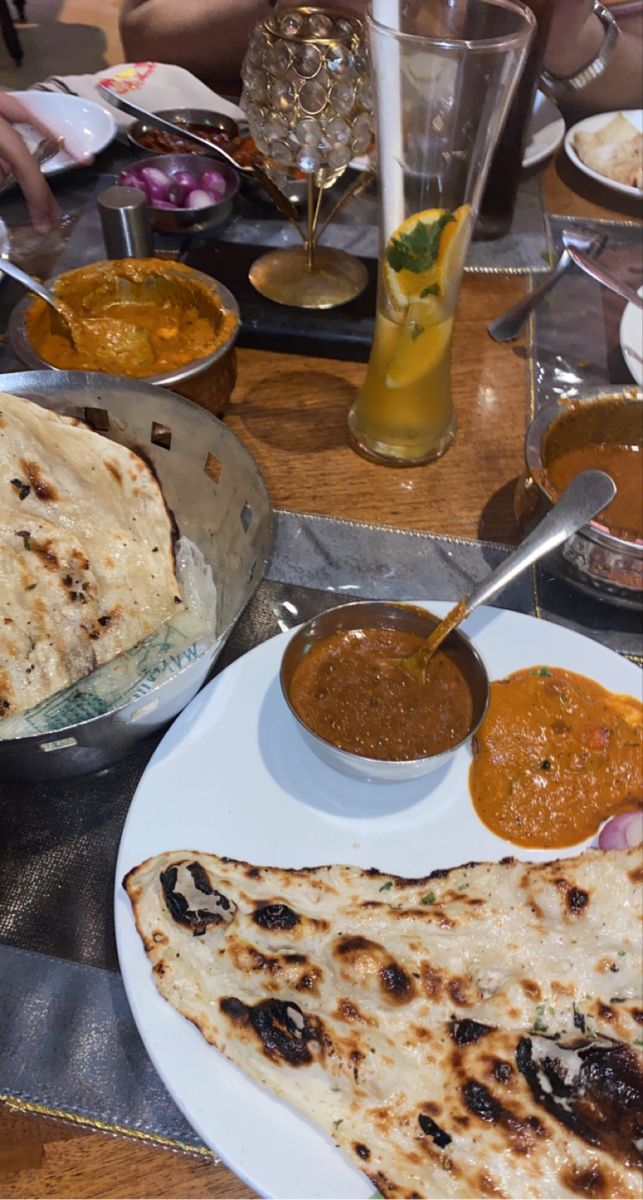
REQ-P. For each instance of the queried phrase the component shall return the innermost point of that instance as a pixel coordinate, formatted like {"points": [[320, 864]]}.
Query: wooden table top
{"points": [[291, 413]]}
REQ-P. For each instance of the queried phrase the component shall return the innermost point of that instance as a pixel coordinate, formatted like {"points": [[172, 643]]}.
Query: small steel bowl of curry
{"points": [[361, 711], [149, 319], [602, 430]]}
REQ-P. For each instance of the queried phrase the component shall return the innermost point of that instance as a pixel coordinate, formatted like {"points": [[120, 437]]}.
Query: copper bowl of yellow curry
{"points": [[148, 319], [602, 430]]}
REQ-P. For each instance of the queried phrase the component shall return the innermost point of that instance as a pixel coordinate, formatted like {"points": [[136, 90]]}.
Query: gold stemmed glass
{"points": [[308, 98]]}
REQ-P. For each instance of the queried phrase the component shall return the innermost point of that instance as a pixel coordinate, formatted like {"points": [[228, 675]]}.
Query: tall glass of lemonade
{"points": [[444, 76]]}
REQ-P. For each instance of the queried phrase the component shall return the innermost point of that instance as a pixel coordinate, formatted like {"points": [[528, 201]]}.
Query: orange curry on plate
{"points": [[554, 757]]}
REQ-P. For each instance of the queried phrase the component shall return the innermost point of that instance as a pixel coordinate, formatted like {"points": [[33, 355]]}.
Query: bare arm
{"points": [[575, 38], [43, 209]]}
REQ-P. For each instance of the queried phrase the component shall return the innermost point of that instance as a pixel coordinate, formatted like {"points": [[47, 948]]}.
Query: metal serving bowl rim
{"points": [[20, 343], [402, 763], [191, 114], [100, 381], [544, 420]]}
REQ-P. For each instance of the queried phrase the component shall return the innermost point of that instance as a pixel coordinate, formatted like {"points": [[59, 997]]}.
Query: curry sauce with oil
{"points": [[554, 757], [352, 691]]}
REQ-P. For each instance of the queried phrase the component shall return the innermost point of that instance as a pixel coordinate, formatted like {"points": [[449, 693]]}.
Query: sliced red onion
{"points": [[214, 181], [164, 204], [622, 831], [199, 198]]}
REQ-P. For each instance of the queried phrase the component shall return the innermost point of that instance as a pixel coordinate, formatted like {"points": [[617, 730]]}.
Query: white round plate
{"points": [[87, 126], [631, 339], [545, 132], [591, 125], [233, 776]]}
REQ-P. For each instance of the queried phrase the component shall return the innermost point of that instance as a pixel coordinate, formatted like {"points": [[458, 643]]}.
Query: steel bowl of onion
{"points": [[185, 192]]}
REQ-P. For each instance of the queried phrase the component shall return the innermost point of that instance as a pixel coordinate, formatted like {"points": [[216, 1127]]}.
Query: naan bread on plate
{"points": [[473, 1033], [615, 150], [86, 552]]}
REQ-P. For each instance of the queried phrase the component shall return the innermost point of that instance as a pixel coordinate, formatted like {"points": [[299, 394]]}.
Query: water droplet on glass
{"points": [[290, 24], [338, 131], [338, 60], [308, 131], [308, 160], [277, 59], [312, 97], [342, 98], [281, 153], [307, 61], [276, 129], [282, 94], [319, 25], [339, 156]]}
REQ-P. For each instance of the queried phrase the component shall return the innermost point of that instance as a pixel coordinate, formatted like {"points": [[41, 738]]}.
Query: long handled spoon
{"points": [[585, 496], [97, 339]]}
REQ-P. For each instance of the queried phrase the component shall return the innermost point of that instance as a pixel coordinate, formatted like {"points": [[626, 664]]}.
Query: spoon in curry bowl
{"points": [[99, 339], [586, 495]]}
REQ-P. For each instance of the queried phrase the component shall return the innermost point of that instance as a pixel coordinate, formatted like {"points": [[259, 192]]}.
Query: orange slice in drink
{"points": [[421, 344], [424, 258]]}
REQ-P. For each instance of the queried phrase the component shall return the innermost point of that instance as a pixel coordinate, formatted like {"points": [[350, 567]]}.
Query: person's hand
{"points": [[16, 157]]}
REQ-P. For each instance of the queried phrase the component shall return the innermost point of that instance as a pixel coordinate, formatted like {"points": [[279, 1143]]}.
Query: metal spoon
{"points": [[93, 337], [585, 496], [39, 289], [181, 131]]}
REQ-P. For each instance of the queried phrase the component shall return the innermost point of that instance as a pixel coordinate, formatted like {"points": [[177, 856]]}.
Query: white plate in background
{"points": [[233, 776], [631, 339], [592, 125], [87, 126], [545, 132]]}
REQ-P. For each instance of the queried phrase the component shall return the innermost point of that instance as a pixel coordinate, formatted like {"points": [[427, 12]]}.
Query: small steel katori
{"points": [[218, 497]]}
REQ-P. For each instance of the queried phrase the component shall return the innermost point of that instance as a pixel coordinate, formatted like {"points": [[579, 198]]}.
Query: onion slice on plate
{"points": [[622, 831]]}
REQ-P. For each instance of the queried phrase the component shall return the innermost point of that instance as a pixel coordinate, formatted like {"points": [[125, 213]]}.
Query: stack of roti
{"points": [[473, 1033], [614, 150], [86, 552]]}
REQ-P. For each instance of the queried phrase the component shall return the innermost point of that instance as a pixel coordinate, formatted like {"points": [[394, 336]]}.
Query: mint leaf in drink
{"points": [[432, 290], [418, 250], [416, 330]]}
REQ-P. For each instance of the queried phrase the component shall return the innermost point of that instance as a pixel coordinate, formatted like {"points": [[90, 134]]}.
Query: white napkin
{"points": [[151, 85]]}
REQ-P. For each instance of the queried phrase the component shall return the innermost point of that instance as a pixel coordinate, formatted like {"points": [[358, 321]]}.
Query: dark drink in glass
{"points": [[499, 196]]}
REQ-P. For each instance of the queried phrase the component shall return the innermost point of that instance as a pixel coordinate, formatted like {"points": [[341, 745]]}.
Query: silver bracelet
{"points": [[574, 83]]}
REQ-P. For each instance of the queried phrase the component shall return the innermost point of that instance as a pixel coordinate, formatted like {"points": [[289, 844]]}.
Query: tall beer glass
{"points": [[443, 84]]}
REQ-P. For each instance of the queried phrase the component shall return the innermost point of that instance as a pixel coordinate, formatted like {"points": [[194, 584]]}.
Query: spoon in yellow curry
{"points": [[586, 495], [97, 338]]}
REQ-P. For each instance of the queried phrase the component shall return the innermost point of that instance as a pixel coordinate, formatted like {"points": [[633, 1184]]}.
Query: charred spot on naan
{"points": [[278, 969], [42, 488], [360, 960], [184, 884], [275, 916], [285, 1033], [595, 1089]]}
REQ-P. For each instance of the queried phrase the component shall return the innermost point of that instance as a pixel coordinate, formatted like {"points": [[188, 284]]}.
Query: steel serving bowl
{"points": [[214, 488], [208, 381], [383, 614], [193, 220], [218, 122], [594, 560]]}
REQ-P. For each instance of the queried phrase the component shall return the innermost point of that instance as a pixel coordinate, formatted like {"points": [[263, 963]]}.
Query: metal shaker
{"points": [[127, 232]]}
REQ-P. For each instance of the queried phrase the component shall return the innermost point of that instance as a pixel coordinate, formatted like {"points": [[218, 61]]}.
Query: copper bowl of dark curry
{"points": [[603, 430], [361, 711]]}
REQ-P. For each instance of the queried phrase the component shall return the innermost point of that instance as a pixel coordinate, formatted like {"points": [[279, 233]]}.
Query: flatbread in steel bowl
{"points": [[87, 565]]}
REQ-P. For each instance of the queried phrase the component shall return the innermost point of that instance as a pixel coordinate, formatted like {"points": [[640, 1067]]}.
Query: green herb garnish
{"points": [[539, 1026], [429, 898], [431, 290], [418, 250], [386, 887], [542, 672], [416, 330]]}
